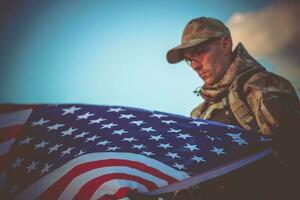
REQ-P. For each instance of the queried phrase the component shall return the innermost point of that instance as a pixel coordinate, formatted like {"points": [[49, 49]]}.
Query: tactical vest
{"points": [[233, 108]]}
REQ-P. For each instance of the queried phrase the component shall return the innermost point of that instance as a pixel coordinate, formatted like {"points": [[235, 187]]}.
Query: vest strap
{"points": [[238, 103]]}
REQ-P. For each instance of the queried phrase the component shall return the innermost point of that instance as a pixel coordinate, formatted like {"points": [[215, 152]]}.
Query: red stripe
{"points": [[87, 191], [122, 192], [7, 108], [9, 133], [56, 189]]}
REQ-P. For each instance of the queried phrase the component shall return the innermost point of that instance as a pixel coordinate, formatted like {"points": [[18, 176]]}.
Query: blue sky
{"points": [[103, 52]]}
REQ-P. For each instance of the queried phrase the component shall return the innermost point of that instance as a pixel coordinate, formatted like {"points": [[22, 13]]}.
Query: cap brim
{"points": [[176, 54]]}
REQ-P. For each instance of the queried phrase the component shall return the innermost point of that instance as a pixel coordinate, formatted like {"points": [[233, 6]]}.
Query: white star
{"points": [[198, 159], [54, 148], [136, 146], [85, 116], [81, 135], [104, 142], [158, 115], [149, 129], [263, 139], [179, 166], [184, 136], [129, 139], [26, 140], [92, 138], [158, 137], [230, 126], [234, 136], [147, 153], [41, 145], [68, 132], [172, 155], [112, 148], [198, 123], [173, 130], [108, 125], [67, 151], [218, 151], [211, 138], [240, 142], [126, 116], [32, 166], [115, 110], [80, 153], [168, 121], [46, 169], [138, 123], [17, 163], [191, 147], [70, 110], [97, 121], [119, 132], [165, 146], [54, 127], [41, 122]]}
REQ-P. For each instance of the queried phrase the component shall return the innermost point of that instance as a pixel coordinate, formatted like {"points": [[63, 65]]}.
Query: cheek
{"points": [[210, 64]]}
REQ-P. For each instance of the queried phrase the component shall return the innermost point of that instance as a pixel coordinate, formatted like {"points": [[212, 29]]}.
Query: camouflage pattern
{"points": [[266, 94], [197, 31], [273, 103]]}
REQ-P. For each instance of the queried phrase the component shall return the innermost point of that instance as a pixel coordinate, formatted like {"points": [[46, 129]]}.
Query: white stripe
{"points": [[38, 187], [14, 118], [77, 183], [125, 198], [5, 146], [111, 187], [210, 174]]}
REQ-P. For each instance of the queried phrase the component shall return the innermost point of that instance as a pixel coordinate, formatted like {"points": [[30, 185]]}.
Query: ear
{"points": [[226, 45]]}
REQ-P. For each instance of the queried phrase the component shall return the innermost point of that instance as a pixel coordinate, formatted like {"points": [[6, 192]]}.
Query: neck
{"points": [[227, 61]]}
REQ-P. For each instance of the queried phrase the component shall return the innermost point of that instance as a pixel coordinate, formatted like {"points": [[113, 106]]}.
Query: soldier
{"points": [[238, 90]]}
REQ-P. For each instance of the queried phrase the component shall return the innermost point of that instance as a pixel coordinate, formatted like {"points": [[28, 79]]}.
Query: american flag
{"points": [[104, 152]]}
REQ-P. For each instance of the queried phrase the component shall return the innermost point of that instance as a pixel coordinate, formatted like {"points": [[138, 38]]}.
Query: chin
{"points": [[209, 82]]}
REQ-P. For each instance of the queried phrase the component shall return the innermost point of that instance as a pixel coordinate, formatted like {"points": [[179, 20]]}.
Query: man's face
{"points": [[207, 61]]}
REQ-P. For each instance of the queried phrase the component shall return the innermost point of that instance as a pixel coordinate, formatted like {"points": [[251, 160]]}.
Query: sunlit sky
{"points": [[103, 52]]}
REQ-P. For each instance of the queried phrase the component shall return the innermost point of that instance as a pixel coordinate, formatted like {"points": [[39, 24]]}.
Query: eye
{"points": [[188, 61], [199, 52]]}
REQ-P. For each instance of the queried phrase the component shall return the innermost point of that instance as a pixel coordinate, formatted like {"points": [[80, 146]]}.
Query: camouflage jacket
{"points": [[271, 98], [274, 105], [273, 102]]}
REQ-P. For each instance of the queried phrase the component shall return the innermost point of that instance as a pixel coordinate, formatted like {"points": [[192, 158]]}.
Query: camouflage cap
{"points": [[196, 32]]}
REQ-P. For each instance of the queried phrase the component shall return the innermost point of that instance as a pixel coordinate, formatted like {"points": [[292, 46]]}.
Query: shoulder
{"points": [[198, 111], [264, 83]]}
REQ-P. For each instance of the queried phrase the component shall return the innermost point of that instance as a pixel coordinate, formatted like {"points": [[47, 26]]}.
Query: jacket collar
{"points": [[242, 61]]}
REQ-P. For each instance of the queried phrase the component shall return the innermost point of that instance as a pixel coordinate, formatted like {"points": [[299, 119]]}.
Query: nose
{"points": [[196, 65]]}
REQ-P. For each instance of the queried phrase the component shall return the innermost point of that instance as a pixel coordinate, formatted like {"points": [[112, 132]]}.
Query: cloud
{"points": [[272, 33]]}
